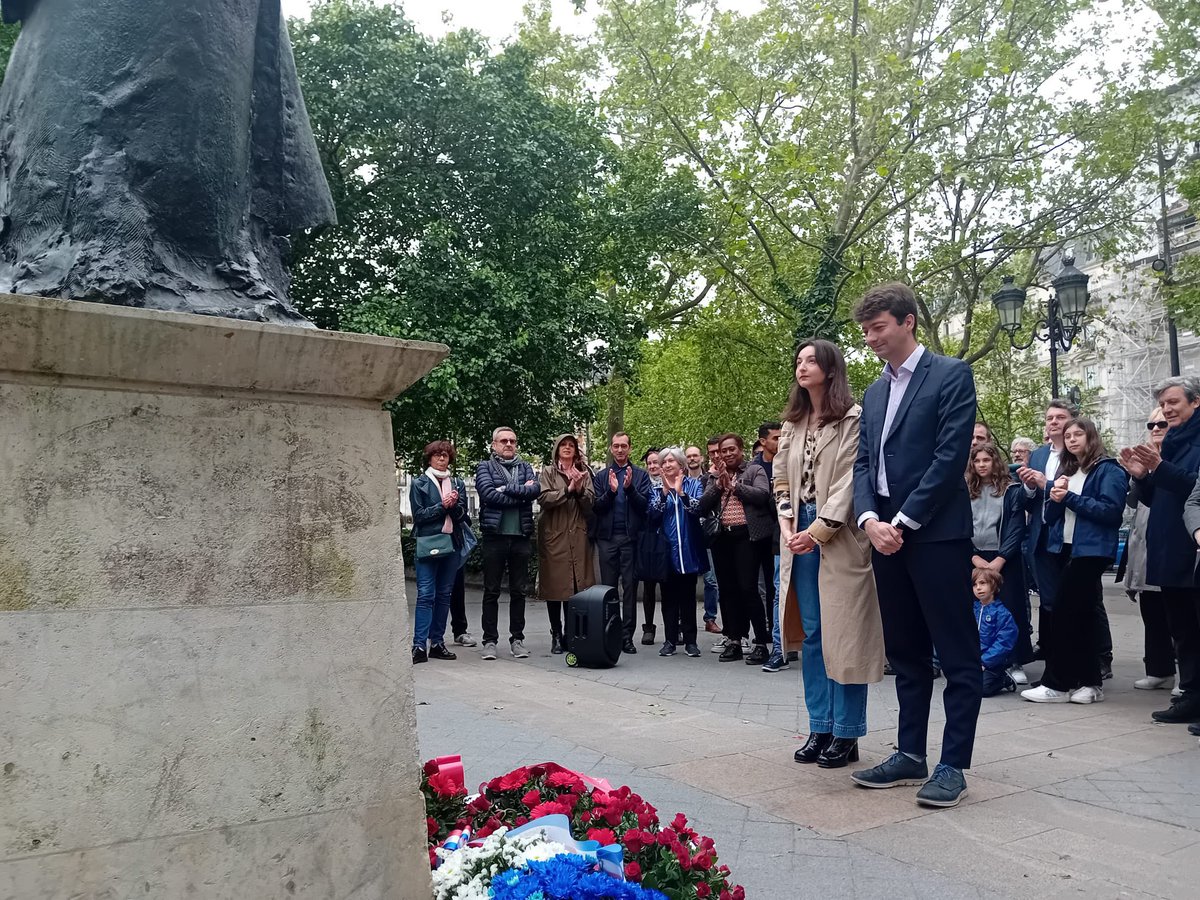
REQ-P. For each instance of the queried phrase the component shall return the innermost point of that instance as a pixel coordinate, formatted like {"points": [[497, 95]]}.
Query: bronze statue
{"points": [[155, 153]]}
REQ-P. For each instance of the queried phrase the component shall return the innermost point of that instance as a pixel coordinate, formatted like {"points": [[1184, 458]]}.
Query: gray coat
{"points": [[1135, 547], [1191, 510]]}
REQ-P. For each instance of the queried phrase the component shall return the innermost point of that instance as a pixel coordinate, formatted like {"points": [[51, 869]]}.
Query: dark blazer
{"points": [[427, 511], [1098, 508], [495, 495], [926, 450], [753, 488], [1035, 505], [637, 500], [1170, 550]]}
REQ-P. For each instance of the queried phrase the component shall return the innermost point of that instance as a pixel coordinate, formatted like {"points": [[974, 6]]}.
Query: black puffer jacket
{"points": [[496, 495]]}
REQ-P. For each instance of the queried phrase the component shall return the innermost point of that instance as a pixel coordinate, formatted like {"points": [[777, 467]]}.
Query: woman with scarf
{"points": [[564, 554], [439, 508], [650, 560]]}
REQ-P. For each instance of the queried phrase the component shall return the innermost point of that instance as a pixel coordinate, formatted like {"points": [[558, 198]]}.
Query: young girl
{"points": [[998, 514], [1083, 513]]}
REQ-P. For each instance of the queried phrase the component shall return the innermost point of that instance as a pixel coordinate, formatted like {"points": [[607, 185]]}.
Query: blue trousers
{"points": [[832, 706], [435, 584]]}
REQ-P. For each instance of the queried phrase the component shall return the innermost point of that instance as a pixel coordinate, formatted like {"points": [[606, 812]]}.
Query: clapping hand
{"points": [[1131, 463], [673, 482], [628, 477], [1031, 478], [1059, 491], [612, 480], [1148, 456]]}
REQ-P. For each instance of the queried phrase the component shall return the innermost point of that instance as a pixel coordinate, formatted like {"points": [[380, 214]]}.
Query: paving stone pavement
{"points": [[1064, 800]]}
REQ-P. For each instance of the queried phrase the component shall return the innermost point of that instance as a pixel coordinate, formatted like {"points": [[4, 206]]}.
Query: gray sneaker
{"points": [[719, 646], [518, 649], [464, 640], [946, 788], [897, 770], [488, 651]]}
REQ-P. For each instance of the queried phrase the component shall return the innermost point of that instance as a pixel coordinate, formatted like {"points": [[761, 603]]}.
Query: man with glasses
{"points": [[1165, 477], [507, 487]]}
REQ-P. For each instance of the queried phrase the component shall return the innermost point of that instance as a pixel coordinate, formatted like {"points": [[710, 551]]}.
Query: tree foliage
{"points": [[476, 209]]}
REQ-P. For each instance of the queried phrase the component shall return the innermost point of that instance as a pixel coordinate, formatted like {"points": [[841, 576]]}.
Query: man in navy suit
{"points": [[911, 500]]}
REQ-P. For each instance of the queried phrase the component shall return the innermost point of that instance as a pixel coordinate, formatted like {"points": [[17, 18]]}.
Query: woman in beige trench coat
{"points": [[827, 602], [564, 554]]}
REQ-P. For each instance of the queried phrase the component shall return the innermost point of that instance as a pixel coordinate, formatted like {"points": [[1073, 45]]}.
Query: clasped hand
{"points": [[801, 542], [450, 499], [1031, 478], [885, 538], [1059, 491]]}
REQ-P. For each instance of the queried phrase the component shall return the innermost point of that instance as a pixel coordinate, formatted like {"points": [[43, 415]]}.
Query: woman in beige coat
{"points": [[564, 554], [827, 602]]}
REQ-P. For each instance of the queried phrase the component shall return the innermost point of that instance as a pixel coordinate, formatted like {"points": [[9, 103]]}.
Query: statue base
{"points": [[205, 673]]}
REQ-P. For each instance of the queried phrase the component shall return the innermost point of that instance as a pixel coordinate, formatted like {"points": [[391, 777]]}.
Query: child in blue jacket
{"points": [[997, 632]]}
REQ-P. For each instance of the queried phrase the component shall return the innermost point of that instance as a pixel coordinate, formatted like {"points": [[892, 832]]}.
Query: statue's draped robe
{"points": [[155, 153]]}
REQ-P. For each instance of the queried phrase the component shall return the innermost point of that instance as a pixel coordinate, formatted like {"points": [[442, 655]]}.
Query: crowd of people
{"points": [[891, 537]]}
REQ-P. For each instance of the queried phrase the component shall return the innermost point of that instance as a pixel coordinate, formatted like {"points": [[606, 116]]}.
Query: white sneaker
{"points": [[1150, 683], [518, 649], [746, 645], [1044, 694], [1087, 695], [1017, 674], [719, 646]]}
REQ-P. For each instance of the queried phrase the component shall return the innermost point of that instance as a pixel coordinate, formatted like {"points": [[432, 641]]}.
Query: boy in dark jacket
{"points": [[997, 632]]}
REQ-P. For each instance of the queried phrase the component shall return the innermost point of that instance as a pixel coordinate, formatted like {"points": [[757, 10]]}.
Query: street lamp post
{"points": [[1064, 314]]}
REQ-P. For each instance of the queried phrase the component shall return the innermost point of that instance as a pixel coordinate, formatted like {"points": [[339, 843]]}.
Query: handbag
{"points": [[469, 540], [432, 546], [712, 524]]}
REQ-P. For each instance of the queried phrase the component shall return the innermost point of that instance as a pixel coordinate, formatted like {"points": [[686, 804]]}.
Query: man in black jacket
{"points": [[507, 487], [622, 496], [1165, 477]]}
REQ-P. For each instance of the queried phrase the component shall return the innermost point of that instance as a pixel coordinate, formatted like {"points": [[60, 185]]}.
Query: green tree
{"points": [[474, 208]]}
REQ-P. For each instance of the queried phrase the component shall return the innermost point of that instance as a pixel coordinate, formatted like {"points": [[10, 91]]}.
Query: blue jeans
{"points": [[710, 592], [435, 584], [832, 707]]}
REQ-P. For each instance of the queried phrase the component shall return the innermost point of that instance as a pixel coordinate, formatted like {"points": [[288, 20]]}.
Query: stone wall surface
{"points": [[204, 669]]}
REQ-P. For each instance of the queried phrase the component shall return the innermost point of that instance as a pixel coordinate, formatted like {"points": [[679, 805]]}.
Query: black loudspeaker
{"points": [[593, 628]]}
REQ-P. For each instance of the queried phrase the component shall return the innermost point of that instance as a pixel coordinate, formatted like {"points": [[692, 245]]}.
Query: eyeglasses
{"points": [[506, 440], [1153, 425]]}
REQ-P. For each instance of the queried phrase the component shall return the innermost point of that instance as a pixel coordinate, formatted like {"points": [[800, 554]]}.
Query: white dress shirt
{"points": [[898, 381]]}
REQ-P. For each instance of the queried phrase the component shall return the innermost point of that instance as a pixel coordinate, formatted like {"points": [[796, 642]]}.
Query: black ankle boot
{"points": [[556, 644], [648, 635], [839, 752], [813, 747]]}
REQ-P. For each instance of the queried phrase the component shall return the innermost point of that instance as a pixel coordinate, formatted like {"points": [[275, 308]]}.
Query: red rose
{"points": [[612, 815], [531, 798], [568, 800], [514, 779], [431, 826], [433, 860], [725, 895], [724, 870], [585, 816], [600, 798], [445, 786], [739, 892], [633, 872], [702, 861], [480, 804], [681, 854], [703, 890], [679, 823], [603, 835], [537, 771], [430, 768], [488, 827], [646, 819], [667, 838], [707, 843], [634, 840]]}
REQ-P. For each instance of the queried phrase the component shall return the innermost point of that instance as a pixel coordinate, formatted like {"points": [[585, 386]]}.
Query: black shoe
{"points": [[1194, 728], [887, 669], [839, 752], [628, 646], [1182, 711], [439, 651], [556, 644], [1106, 670], [793, 655], [648, 635], [758, 655], [692, 650], [813, 747], [667, 649], [732, 652], [419, 655]]}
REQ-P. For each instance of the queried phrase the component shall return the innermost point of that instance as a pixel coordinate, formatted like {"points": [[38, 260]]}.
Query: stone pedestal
{"points": [[205, 679]]}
